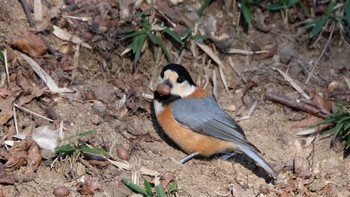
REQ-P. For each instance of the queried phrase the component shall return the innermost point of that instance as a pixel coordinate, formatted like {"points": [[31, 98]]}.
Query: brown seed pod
{"points": [[163, 89], [122, 153], [61, 191]]}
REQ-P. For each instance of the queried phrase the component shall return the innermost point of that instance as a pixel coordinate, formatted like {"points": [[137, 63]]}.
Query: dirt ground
{"points": [[112, 101]]}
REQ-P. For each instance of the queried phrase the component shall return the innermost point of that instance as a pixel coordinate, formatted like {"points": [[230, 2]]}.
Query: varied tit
{"points": [[194, 120]]}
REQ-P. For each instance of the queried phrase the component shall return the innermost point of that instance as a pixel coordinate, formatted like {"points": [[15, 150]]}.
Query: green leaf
{"points": [[204, 5], [173, 187], [245, 8], [157, 41], [65, 149], [160, 191], [274, 6], [347, 11], [347, 126], [134, 187], [327, 121], [348, 144], [137, 45], [290, 3], [2, 57], [339, 104], [330, 9], [337, 129], [174, 35], [148, 187], [317, 25], [199, 37], [136, 33], [87, 149], [186, 33], [86, 133]]}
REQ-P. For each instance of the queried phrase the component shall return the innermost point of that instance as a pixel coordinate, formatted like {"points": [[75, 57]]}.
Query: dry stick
{"points": [[296, 104], [33, 113], [27, 12], [15, 118], [292, 83], [7, 68], [323, 51]]}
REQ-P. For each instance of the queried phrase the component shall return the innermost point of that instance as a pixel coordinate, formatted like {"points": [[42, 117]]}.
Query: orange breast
{"points": [[188, 140]]}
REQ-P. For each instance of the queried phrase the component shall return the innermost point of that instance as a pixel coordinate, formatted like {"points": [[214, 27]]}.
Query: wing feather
{"points": [[204, 115]]}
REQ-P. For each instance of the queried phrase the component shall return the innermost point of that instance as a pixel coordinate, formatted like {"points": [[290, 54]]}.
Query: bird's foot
{"points": [[188, 157]]}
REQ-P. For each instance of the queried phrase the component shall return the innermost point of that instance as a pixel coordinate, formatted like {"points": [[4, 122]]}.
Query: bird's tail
{"points": [[257, 158]]}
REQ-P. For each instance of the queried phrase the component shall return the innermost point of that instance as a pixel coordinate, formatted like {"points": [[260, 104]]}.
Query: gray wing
{"points": [[205, 116]]}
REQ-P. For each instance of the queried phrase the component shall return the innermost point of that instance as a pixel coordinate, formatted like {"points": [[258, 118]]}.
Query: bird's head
{"points": [[174, 80]]}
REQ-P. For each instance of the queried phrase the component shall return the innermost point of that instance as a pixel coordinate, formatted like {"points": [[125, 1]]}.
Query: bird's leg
{"points": [[227, 155], [188, 157]]}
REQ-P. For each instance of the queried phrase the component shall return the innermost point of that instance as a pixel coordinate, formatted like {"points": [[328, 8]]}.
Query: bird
{"points": [[194, 120]]}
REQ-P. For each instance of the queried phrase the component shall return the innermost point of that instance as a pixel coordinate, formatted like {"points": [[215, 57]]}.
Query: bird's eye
{"points": [[180, 80]]}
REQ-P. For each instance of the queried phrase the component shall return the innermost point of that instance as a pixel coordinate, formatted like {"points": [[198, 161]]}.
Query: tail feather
{"points": [[257, 158]]}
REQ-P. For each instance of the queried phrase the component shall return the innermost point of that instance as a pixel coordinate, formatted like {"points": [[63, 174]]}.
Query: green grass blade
{"points": [[199, 37], [173, 187], [136, 33], [290, 3], [139, 42], [65, 149], [245, 8], [336, 130], [160, 191], [148, 187], [174, 35], [134, 187], [87, 149], [86, 133], [330, 9], [186, 33], [347, 11], [319, 23], [157, 41], [274, 6], [204, 5], [2, 57]]}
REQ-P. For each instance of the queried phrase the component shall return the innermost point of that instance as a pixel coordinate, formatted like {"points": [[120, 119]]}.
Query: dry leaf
{"points": [[34, 158], [30, 44]]}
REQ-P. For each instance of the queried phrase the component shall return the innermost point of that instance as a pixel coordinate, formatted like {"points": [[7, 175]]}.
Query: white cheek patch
{"points": [[183, 90]]}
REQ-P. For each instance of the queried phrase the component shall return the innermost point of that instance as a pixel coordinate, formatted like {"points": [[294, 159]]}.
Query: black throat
{"points": [[165, 99]]}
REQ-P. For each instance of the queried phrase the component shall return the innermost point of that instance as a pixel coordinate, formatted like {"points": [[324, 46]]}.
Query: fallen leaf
{"points": [[6, 111], [34, 158], [30, 43], [87, 186]]}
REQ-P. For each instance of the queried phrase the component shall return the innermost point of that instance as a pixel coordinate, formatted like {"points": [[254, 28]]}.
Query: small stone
{"points": [[96, 120], [61, 191], [99, 108]]}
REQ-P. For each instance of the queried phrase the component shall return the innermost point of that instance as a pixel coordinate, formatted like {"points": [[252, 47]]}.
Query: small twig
{"points": [[293, 84], [180, 57], [250, 111], [215, 86], [127, 166], [7, 68], [27, 12], [323, 51], [297, 104], [15, 118], [236, 70], [33, 113]]}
